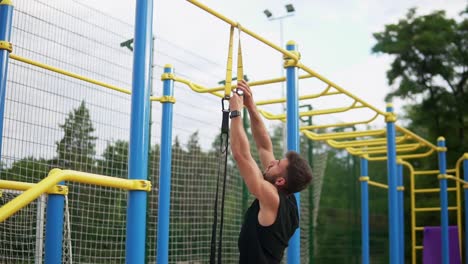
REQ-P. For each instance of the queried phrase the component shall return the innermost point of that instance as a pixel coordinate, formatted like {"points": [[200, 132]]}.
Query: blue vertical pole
{"points": [[6, 15], [139, 131], [465, 177], [292, 121], [165, 172], [392, 187], [401, 213], [364, 211], [54, 229], [443, 200]]}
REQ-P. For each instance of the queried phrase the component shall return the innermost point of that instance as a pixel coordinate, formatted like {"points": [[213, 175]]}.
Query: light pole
{"points": [[290, 11]]}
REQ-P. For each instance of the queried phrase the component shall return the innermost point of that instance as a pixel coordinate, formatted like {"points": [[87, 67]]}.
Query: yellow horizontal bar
{"points": [[256, 83], [340, 124], [325, 92], [243, 29], [383, 149], [377, 184], [416, 137], [332, 110], [69, 74], [318, 76], [402, 146], [364, 142], [408, 156], [433, 190], [432, 172], [419, 228], [419, 247], [418, 155], [23, 186], [315, 112], [56, 175], [433, 209], [339, 135], [427, 172], [195, 87]]}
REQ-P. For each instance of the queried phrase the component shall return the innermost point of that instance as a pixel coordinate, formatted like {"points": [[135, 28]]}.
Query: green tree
{"points": [[430, 66], [76, 149], [115, 161], [29, 169]]}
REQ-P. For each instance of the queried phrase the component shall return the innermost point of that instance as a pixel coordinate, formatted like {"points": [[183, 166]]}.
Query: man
{"points": [[273, 217]]}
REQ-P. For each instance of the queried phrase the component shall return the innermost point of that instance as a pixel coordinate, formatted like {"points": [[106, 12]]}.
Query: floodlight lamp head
{"points": [[289, 8], [267, 13]]}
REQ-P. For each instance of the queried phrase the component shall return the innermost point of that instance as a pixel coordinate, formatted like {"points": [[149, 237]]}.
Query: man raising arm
{"points": [[273, 216]]}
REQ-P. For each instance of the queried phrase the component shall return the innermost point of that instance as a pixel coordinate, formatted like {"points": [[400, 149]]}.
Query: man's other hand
{"points": [[235, 102], [248, 98]]}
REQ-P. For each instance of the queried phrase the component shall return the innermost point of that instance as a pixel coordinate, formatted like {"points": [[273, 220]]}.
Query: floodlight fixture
{"points": [[290, 8]]}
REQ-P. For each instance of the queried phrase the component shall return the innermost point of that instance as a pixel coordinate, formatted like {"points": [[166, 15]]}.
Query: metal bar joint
{"points": [[5, 45], [167, 76], [141, 185], [165, 99], [390, 117]]}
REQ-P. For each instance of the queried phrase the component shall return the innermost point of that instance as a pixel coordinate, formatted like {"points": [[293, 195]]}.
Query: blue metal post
{"points": [[139, 131], [54, 229], [292, 121], [6, 15], [443, 200], [465, 177], [165, 172], [401, 213], [364, 211], [392, 187]]}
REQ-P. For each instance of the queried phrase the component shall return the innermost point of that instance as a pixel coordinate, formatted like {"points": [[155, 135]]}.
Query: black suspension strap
{"points": [[224, 146]]}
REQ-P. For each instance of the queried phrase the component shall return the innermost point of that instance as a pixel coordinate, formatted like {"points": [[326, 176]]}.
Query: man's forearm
{"points": [[259, 131], [239, 141]]}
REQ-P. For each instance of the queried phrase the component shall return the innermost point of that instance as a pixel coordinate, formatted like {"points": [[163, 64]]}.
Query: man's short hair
{"points": [[298, 173]]}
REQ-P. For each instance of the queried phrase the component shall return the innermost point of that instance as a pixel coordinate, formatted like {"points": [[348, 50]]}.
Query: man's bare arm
{"points": [[259, 131], [261, 137], [264, 191]]}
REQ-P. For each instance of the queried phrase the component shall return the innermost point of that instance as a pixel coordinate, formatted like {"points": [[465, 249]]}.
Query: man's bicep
{"points": [[250, 173]]}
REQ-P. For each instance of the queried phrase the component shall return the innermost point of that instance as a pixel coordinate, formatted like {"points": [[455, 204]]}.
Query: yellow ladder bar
{"points": [[432, 172], [433, 190], [433, 209], [415, 210]]}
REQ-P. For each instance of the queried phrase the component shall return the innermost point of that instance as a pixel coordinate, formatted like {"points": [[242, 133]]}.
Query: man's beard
{"points": [[270, 178]]}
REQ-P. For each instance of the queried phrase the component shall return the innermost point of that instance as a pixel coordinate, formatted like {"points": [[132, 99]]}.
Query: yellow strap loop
{"points": [[228, 84], [240, 64]]}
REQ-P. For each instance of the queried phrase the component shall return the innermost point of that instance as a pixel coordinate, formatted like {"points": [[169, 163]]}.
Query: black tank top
{"points": [[259, 244]]}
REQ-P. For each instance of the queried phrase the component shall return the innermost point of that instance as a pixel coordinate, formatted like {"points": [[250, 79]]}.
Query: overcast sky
{"points": [[334, 38]]}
